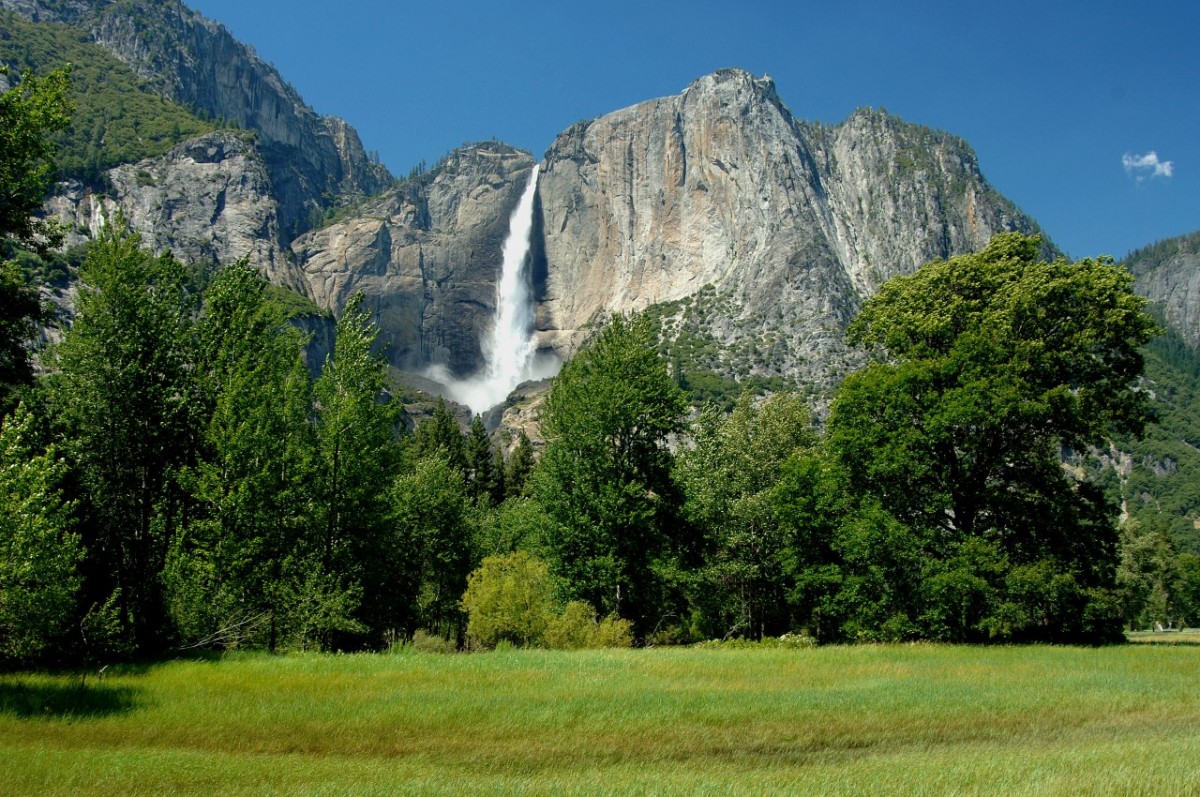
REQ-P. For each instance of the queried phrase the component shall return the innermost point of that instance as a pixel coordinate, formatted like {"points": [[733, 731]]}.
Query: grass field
{"points": [[920, 719]]}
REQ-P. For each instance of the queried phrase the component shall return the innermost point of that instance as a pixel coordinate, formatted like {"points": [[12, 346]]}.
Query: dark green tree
{"points": [[990, 365], [125, 400], [605, 474], [20, 313], [358, 456], [441, 432], [484, 481], [29, 113], [39, 552], [435, 537], [520, 465], [728, 476], [231, 575]]}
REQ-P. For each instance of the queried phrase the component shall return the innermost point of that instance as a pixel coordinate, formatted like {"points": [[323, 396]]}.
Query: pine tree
{"points": [[229, 575]]}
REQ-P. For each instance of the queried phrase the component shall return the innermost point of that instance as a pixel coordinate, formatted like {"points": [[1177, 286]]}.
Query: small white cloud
{"points": [[1148, 165]]}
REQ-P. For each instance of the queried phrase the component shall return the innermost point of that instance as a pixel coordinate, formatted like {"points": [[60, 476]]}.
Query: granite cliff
{"points": [[753, 235], [208, 200], [718, 201], [1168, 274], [313, 161], [426, 254]]}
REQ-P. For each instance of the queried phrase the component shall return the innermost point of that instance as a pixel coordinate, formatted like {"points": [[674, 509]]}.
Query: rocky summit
{"points": [[788, 224]]}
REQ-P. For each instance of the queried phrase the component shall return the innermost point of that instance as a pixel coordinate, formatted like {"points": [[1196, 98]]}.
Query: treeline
{"points": [[179, 481]]}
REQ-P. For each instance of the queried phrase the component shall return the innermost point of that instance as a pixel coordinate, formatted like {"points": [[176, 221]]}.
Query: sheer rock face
{"points": [[426, 255], [310, 159], [1168, 274], [792, 223], [207, 201]]}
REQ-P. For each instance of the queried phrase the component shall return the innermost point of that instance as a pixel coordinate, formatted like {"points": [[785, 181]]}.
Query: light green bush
{"points": [[509, 598], [577, 628]]}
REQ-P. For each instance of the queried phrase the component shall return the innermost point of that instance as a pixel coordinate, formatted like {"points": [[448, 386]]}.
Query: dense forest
{"points": [[178, 479]]}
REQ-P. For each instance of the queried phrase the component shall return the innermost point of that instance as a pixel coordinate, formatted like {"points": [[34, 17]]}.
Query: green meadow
{"points": [[903, 719]]}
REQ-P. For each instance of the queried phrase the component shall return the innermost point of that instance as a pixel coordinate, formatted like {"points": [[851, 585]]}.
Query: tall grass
{"points": [[858, 720]]}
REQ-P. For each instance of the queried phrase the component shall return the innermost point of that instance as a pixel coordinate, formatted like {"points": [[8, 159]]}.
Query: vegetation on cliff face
{"points": [[116, 120]]}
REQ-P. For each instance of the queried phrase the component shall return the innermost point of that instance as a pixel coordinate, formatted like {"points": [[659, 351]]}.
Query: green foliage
{"points": [[20, 312], [431, 521], [784, 642], [578, 628], [124, 399], [39, 552], [441, 435], [509, 597], [520, 465], [520, 523], [30, 113], [996, 362], [604, 476], [115, 119], [357, 453], [425, 642], [241, 571], [727, 476], [291, 303], [1159, 484], [485, 477], [1148, 577]]}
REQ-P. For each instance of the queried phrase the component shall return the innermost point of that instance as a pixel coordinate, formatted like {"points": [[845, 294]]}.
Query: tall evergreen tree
{"points": [[484, 481], [520, 465], [231, 575], [441, 432]]}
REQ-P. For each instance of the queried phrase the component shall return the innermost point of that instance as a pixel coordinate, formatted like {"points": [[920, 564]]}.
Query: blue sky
{"points": [[1086, 114]]}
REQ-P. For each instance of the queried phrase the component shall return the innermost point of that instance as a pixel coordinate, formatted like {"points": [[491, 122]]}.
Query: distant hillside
{"points": [[116, 120], [314, 162], [1157, 479], [1168, 273]]}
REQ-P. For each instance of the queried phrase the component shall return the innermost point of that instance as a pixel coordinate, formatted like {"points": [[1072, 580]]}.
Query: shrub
{"points": [[577, 628], [425, 642], [509, 598]]}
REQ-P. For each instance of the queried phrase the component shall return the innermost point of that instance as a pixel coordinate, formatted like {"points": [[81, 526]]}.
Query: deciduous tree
{"points": [[604, 476], [989, 365]]}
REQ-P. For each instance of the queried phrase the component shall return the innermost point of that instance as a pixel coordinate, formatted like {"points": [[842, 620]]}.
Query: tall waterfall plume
{"points": [[508, 349]]}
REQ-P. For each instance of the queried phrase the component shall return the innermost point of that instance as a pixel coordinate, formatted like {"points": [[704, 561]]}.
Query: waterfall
{"points": [[508, 347]]}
